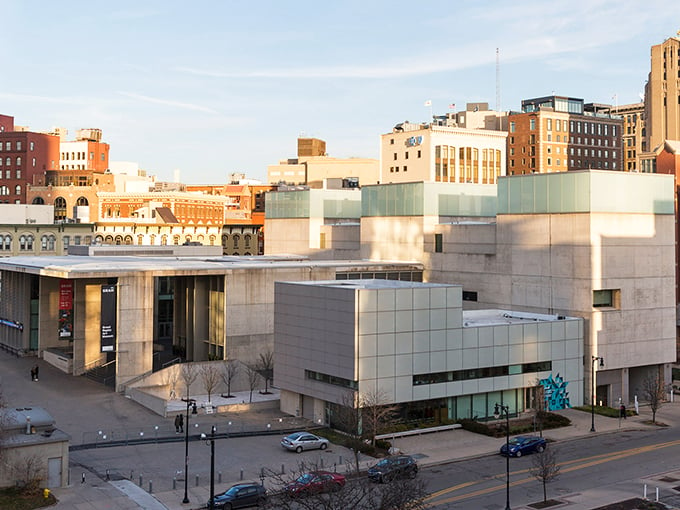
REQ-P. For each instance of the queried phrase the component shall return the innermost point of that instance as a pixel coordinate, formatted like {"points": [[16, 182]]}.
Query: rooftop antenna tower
{"points": [[498, 81]]}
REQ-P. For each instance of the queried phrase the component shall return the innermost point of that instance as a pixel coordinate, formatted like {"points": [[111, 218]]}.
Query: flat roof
{"points": [[493, 317], [373, 284], [74, 266]]}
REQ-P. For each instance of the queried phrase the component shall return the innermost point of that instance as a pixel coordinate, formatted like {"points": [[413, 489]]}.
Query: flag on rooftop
{"points": [[428, 102], [452, 106]]}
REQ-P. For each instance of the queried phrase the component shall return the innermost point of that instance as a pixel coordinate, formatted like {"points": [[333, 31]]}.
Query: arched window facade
{"points": [[17, 189], [6, 242], [119, 240], [128, 240], [38, 201], [59, 208], [26, 242], [82, 201], [236, 238], [47, 242]]}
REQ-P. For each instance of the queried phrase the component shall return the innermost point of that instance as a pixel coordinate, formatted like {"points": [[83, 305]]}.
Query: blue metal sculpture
{"points": [[556, 395]]}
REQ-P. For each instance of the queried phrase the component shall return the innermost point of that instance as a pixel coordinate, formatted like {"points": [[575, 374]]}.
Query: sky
{"points": [[215, 87]]}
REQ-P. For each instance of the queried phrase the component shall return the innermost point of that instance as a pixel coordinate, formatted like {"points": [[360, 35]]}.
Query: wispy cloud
{"points": [[167, 102]]}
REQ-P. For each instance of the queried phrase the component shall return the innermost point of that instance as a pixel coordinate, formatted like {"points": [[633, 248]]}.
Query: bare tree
{"points": [[375, 412], [265, 366], [545, 468], [30, 471], [170, 378], [253, 379], [210, 376], [189, 375], [229, 371], [357, 494], [653, 392], [348, 418]]}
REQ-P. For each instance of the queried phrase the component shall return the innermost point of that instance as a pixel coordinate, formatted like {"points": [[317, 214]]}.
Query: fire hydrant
{"points": [[46, 493]]}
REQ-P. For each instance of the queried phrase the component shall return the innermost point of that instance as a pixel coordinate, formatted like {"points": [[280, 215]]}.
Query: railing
{"points": [[417, 432], [171, 362]]}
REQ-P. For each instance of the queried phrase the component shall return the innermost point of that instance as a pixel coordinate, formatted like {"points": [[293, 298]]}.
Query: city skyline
{"points": [[229, 88]]}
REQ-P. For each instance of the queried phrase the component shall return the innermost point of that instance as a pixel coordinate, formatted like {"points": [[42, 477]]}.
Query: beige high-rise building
{"points": [[662, 96]]}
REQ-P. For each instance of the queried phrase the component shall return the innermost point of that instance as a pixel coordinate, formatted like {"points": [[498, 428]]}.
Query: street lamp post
{"points": [[592, 393], [211, 504], [189, 402], [497, 413]]}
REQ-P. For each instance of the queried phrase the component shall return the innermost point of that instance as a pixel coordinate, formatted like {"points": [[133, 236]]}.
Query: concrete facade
{"points": [[556, 244], [219, 306], [412, 343]]}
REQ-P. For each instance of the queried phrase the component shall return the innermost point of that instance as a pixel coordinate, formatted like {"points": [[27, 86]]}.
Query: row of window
{"points": [[331, 379], [593, 128], [5, 191], [481, 373], [8, 161], [18, 145], [573, 163], [418, 155], [8, 173]]}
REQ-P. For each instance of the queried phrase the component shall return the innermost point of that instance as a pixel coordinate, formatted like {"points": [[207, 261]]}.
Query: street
{"points": [[618, 459]]}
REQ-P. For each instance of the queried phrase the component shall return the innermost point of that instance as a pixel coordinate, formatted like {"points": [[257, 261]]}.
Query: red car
{"points": [[314, 483]]}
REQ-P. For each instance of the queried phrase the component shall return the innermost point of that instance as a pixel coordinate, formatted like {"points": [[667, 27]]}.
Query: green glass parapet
{"points": [[429, 199], [586, 191]]}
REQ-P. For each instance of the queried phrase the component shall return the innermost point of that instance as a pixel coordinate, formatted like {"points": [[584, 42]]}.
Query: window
{"points": [[6, 243], [17, 189], [33, 161], [32, 145], [26, 242], [438, 243], [549, 123], [609, 298], [66, 240], [469, 295], [395, 156], [8, 146], [419, 154], [18, 145], [532, 123], [18, 160], [391, 141], [512, 127], [406, 155], [18, 173]]}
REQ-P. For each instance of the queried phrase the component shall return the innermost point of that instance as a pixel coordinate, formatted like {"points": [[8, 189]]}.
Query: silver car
{"points": [[299, 441]]}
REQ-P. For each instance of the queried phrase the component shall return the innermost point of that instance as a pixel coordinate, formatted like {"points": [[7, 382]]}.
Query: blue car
{"points": [[521, 445]]}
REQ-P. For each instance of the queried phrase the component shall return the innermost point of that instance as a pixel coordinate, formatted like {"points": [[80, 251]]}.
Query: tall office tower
{"points": [[662, 95]]}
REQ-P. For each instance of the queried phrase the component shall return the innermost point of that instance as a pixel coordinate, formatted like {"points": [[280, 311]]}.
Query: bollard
{"points": [[141, 480], [335, 467], [108, 477], [132, 471], [241, 474], [644, 492], [219, 477], [283, 469], [174, 483], [150, 486], [196, 480], [321, 462], [340, 460], [657, 494], [82, 479]]}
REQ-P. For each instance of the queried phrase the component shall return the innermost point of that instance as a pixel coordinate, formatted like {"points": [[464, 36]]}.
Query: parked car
{"points": [[299, 441], [523, 444], [390, 468], [241, 496], [314, 483]]}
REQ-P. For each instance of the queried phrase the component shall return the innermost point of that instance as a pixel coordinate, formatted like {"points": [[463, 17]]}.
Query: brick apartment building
{"points": [[23, 154], [557, 134]]}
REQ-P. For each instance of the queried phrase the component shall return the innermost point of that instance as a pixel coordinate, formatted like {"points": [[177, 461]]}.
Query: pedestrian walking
{"points": [[623, 411], [32, 374], [181, 422], [177, 423], [36, 369]]}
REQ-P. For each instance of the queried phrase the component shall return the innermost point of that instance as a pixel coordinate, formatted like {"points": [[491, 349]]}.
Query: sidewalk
{"points": [[430, 449]]}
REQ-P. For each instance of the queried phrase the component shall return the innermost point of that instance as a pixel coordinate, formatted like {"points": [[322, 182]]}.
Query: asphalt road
{"points": [[617, 461]]}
